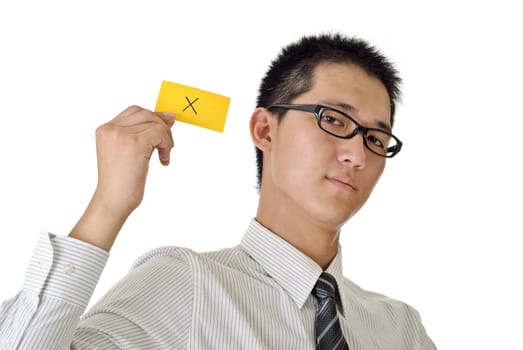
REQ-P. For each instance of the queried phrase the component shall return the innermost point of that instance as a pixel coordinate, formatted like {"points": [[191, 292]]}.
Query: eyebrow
{"points": [[350, 108]]}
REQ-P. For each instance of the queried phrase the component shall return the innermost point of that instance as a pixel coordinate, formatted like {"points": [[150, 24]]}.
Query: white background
{"points": [[442, 230]]}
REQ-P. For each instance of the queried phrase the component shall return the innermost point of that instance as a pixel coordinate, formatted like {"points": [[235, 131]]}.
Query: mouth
{"points": [[343, 182]]}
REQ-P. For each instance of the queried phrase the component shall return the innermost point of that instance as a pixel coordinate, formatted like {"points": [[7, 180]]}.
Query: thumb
{"points": [[167, 117]]}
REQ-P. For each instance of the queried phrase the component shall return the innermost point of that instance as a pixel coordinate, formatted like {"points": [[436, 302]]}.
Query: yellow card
{"points": [[193, 106]]}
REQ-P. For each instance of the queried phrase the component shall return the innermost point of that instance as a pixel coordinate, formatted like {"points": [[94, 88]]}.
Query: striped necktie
{"points": [[328, 330]]}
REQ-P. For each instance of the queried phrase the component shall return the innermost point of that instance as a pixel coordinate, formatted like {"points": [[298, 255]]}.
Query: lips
{"points": [[343, 181]]}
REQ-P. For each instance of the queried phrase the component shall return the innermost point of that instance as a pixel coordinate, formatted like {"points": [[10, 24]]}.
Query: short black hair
{"points": [[291, 73]]}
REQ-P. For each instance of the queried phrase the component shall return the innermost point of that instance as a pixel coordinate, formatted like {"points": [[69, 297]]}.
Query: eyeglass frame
{"points": [[317, 110]]}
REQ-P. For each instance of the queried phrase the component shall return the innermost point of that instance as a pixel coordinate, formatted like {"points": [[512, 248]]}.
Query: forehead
{"points": [[349, 85]]}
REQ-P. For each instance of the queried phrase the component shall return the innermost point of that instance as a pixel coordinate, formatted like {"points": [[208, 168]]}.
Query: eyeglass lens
{"points": [[339, 125]]}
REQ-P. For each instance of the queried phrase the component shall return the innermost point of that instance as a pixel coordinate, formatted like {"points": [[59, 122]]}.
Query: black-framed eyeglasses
{"points": [[342, 125]]}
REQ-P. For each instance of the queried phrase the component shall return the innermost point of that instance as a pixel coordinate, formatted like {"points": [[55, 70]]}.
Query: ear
{"points": [[262, 126]]}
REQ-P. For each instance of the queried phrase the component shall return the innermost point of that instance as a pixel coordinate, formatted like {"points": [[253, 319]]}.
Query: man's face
{"points": [[313, 175]]}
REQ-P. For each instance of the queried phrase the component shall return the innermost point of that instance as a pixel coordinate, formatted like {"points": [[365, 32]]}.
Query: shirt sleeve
{"points": [[423, 341], [62, 275]]}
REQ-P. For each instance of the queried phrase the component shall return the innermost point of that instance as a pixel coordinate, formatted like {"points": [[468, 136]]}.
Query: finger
{"points": [[164, 154], [157, 137], [137, 115], [164, 148], [129, 110], [167, 117], [164, 151], [146, 116]]}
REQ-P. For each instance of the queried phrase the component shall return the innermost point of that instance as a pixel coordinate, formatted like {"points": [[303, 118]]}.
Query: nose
{"points": [[351, 152]]}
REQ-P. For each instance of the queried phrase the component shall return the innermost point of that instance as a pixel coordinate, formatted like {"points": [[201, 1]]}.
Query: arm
{"points": [[64, 270], [123, 147], [61, 277]]}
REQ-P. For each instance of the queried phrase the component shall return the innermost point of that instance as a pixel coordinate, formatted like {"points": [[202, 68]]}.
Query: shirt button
{"points": [[68, 268]]}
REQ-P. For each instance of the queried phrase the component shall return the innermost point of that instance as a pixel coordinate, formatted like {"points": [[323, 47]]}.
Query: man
{"points": [[322, 131]]}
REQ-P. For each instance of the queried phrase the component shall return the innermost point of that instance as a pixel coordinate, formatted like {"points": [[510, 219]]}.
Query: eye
{"points": [[329, 119], [377, 141]]}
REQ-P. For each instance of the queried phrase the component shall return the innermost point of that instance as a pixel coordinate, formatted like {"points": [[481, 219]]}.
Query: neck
{"points": [[315, 239]]}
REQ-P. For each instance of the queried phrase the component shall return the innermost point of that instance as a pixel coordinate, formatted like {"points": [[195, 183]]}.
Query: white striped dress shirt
{"points": [[256, 295]]}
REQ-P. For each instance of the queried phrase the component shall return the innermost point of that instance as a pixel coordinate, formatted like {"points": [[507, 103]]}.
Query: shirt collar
{"points": [[295, 272]]}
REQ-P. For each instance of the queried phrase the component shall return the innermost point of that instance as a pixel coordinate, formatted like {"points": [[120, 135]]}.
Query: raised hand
{"points": [[124, 147]]}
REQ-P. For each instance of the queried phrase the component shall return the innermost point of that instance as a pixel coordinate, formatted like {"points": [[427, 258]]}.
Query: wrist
{"points": [[100, 223]]}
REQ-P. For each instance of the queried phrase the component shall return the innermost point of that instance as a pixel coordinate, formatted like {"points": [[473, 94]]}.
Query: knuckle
{"points": [[102, 130], [110, 133], [107, 130], [133, 108]]}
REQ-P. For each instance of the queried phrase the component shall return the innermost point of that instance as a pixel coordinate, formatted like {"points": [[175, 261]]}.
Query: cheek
{"points": [[298, 159], [373, 175]]}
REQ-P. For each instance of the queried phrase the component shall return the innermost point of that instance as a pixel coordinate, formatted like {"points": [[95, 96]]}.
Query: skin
{"points": [[124, 147], [312, 183]]}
